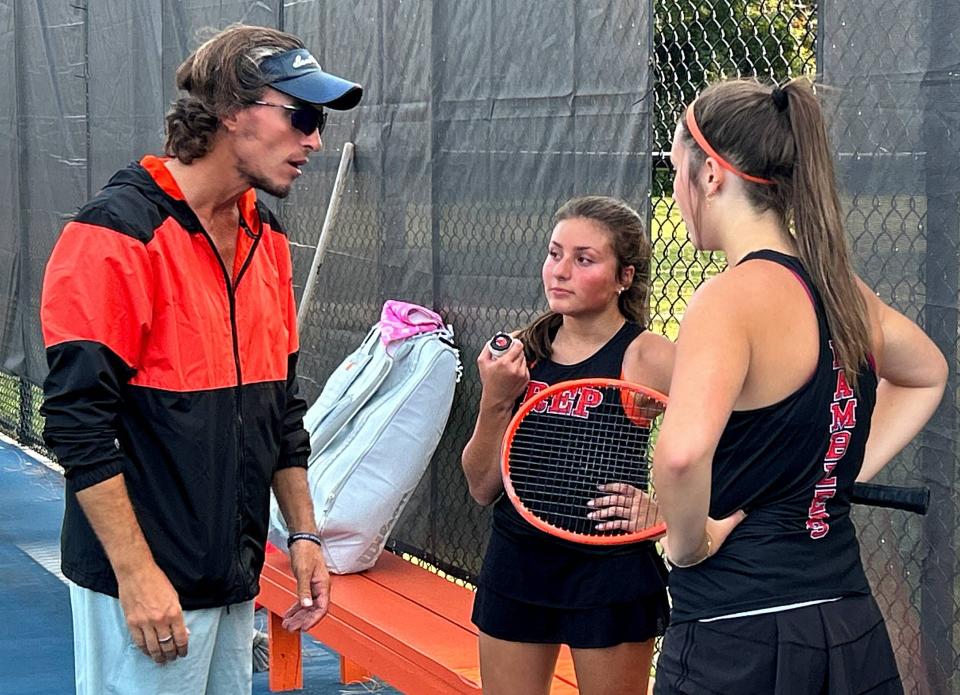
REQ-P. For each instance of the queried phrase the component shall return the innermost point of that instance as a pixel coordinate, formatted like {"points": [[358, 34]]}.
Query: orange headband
{"points": [[702, 141]]}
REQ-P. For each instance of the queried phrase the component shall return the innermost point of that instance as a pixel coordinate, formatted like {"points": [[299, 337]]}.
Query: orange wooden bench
{"points": [[396, 621]]}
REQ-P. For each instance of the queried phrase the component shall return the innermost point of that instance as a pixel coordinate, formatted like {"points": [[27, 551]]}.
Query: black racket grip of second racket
{"points": [[908, 499], [499, 344]]}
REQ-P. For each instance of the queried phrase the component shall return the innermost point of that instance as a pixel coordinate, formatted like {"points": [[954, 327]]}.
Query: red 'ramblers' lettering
{"points": [[843, 418]]}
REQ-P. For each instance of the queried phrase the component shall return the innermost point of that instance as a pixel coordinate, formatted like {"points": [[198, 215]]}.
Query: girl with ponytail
{"points": [[535, 591], [792, 381]]}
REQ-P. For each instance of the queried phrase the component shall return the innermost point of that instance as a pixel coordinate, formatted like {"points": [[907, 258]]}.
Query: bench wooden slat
{"points": [[434, 593], [445, 598], [564, 676], [365, 651], [363, 615], [397, 621]]}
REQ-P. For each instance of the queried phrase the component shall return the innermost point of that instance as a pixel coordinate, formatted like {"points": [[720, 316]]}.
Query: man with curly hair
{"points": [[170, 327]]}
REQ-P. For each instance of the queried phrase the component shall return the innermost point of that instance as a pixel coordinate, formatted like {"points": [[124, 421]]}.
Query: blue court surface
{"points": [[36, 635]]}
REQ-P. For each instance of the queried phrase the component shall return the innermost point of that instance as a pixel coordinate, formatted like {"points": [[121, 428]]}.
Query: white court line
{"points": [[47, 555], [39, 458]]}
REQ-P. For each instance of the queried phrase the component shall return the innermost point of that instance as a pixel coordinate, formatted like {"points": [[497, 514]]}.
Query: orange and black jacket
{"points": [[180, 375]]}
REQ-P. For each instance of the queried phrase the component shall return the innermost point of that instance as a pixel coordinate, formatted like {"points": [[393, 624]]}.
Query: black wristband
{"points": [[303, 536]]}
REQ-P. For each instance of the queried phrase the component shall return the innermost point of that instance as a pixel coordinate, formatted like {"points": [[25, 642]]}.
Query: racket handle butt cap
{"points": [[499, 344]]}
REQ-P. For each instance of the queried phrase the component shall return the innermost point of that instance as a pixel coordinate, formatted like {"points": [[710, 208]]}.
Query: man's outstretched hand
{"points": [[313, 586]]}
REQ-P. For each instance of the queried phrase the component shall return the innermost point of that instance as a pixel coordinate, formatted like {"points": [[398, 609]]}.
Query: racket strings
{"points": [[558, 461]]}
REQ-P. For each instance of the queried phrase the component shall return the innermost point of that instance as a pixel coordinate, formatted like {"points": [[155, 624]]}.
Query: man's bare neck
{"points": [[210, 192]]}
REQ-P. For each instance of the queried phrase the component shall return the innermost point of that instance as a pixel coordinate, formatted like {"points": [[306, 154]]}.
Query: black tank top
{"points": [[791, 466], [527, 564]]}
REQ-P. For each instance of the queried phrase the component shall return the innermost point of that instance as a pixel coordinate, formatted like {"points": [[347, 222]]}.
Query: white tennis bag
{"points": [[373, 430]]}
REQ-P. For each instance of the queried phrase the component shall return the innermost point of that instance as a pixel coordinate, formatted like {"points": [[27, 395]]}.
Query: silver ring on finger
{"points": [[161, 640]]}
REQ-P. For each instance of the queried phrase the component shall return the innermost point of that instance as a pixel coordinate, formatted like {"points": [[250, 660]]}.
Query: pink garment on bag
{"points": [[402, 320]]}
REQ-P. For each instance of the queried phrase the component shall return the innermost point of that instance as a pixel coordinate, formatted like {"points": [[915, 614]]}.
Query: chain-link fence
{"points": [[895, 131], [892, 67], [468, 142], [695, 43], [479, 119]]}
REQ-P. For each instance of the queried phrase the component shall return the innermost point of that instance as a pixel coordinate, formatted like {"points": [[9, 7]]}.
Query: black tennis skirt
{"points": [[836, 648], [579, 628]]}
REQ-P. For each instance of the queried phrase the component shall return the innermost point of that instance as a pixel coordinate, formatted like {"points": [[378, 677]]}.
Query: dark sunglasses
{"points": [[306, 119]]}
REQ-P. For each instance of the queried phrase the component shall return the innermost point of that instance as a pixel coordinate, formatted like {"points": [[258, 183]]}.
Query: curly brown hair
{"points": [[220, 76]]}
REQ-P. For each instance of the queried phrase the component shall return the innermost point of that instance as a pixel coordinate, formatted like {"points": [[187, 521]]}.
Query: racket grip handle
{"points": [[499, 344], [908, 499]]}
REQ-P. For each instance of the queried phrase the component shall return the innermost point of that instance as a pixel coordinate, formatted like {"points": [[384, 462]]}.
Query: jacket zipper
{"points": [[234, 334]]}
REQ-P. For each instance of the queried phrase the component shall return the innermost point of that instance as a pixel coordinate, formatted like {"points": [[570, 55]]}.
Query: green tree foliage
{"points": [[697, 41]]}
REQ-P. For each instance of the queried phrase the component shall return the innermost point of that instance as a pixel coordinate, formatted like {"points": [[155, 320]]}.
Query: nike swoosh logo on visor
{"points": [[301, 62]]}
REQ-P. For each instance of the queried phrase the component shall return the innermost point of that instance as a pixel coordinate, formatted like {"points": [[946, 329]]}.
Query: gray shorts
{"points": [[219, 659], [835, 648]]}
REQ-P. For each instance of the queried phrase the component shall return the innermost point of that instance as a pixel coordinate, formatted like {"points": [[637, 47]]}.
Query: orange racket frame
{"points": [[633, 411]]}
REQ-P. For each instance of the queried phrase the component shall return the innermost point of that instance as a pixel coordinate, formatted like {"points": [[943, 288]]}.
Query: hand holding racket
{"points": [[623, 508], [574, 441], [503, 370]]}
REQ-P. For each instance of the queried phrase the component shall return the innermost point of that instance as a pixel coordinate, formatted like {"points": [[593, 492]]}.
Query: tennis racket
{"points": [[569, 439], [499, 344], [908, 499]]}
